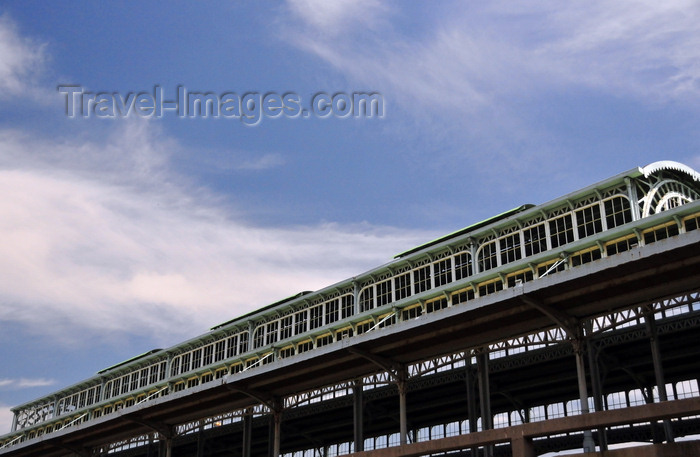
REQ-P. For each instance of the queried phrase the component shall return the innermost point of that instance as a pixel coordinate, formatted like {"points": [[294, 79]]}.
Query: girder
{"points": [[452, 324], [566, 321]]}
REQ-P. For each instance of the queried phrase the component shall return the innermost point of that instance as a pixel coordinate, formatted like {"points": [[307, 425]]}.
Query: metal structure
{"points": [[546, 327]]}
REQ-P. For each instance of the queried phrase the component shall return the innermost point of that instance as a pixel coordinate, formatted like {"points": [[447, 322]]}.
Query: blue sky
{"points": [[125, 234]]}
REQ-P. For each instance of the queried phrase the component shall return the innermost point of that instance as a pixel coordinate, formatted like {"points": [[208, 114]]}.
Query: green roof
{"points": [[272, 305], [145, 354], [467, 229]]}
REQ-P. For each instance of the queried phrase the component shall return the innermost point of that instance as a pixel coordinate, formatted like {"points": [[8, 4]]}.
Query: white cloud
{"points": [[474, 78], [5, 419], [20, 60], [338, 16], [101, 238], [479, 57], [262, 163], [25, 383]]}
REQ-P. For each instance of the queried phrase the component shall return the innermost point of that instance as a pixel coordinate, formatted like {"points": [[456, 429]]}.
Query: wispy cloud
{"points": [[478, 76], [262, 163], [21, 59], [338, 17], [132, 247], [479, 55], [101, 237], [25, 383]]}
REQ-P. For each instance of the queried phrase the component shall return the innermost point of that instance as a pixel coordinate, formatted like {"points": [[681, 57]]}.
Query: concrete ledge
{"points": [[520, 436], [682, 449]]}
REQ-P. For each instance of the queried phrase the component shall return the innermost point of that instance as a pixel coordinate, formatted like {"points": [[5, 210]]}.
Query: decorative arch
{"points": [[667, 184]]}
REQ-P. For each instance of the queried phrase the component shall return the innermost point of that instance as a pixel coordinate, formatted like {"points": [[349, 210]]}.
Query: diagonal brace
{"points": [[392, 367], [262, 397], [569, 323], [159, 427]]}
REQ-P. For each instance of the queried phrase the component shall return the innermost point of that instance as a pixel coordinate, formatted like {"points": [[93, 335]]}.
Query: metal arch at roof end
{"points": [[669, 165]]}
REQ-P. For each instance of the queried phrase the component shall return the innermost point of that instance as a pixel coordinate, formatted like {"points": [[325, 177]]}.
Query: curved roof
{"points": [[670, 165]]}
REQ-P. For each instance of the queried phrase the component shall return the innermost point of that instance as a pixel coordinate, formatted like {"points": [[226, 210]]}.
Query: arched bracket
{"points": [[268, 400], [570, 324], [395, 369], [79, 451], [163, 429]]}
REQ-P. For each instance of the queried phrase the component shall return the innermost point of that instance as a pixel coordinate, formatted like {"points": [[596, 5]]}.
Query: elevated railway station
{"points": [[568, 325]]}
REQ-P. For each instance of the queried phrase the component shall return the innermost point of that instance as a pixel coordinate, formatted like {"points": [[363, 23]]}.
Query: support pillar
{"points": [[522, 447], [358, 413], [402, 376], [658, 368], [150, 445], [277, 417], [578, 343], [597, 389], [482, 364], [200, 440], [275, 428], [471, 398], [247, 433], [166, 447]]}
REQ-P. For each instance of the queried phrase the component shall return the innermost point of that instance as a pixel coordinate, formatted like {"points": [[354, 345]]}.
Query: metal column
{"points": [[166, 448], [471, 398], [402, 375], [596, 386], [658, 368], [579, 349], [482, 364], [247, 433], [358, 403], [275, 428], [200, 440]]}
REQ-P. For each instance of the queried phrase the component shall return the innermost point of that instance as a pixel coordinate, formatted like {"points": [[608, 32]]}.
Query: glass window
{"points": [[259, 336], [232, 346], [510, 248], [331, 311], [367, 299], [384, 293], [588, 221], [219, 350], [462, 296], [186, 362], [535, 240], [242, 343], [271, 336], [463, 266], [286, 327], [347, 303], [617, 211], [300, 322], [442, 272], [421, 279], [561, 231], [316, 313], [402, 286], [487, 256], [436, 305], [196, 358]]}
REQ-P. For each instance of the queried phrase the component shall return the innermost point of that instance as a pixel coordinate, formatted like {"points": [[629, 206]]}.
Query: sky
{"points": [[126, 228]]}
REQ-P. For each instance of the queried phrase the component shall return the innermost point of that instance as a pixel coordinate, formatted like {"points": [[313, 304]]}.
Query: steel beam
{"points": [[658, 367], [247, 433], [358, 415], [482, 363]]}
